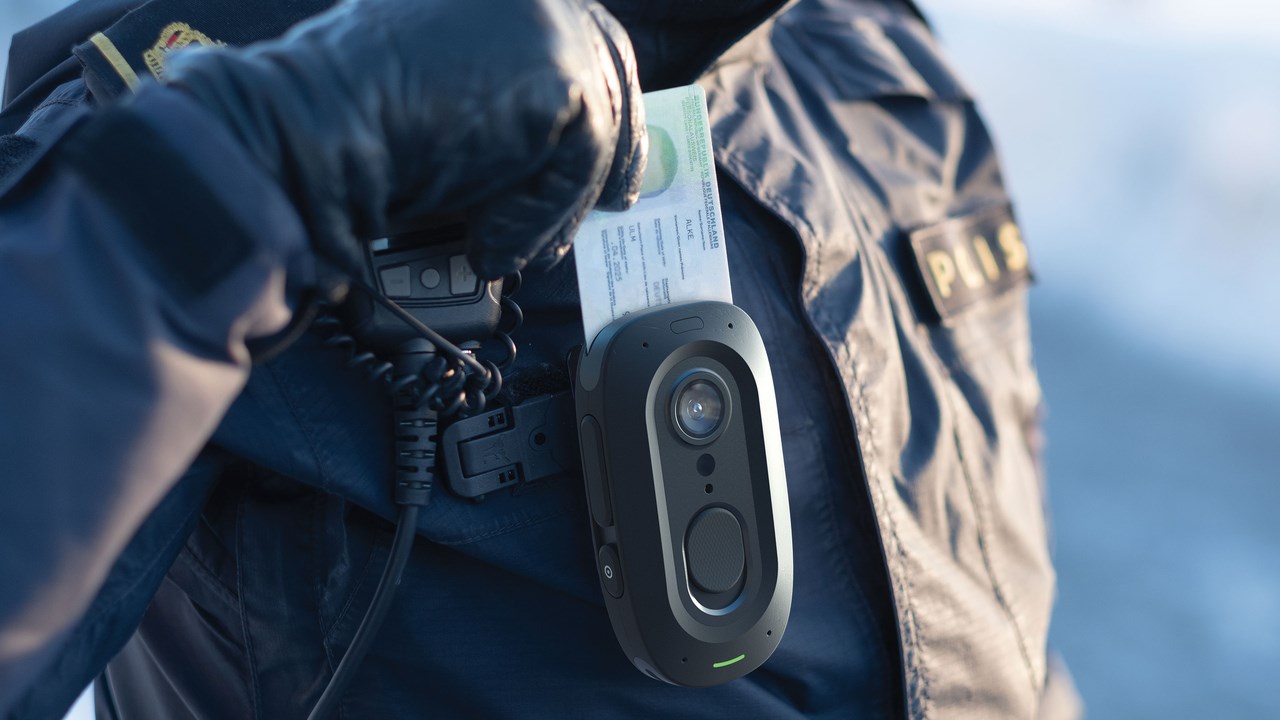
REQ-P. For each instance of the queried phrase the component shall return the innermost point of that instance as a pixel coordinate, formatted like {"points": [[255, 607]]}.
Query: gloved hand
{"points": [[519, 115]]}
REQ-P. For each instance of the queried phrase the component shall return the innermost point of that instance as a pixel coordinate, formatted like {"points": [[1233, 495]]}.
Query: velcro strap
{"points": [[15, 150]]}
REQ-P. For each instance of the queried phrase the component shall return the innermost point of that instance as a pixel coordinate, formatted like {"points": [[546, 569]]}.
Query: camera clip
{"points": [[510, 446]]}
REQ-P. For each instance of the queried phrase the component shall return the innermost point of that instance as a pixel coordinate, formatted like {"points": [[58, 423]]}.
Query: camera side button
{"points": [[610, 571], [395, 281], [593, 468], [462, 281], [430, 278]]}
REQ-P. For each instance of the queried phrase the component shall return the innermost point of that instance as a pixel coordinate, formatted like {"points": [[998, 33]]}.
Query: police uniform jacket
{"points": [[209, 530]]}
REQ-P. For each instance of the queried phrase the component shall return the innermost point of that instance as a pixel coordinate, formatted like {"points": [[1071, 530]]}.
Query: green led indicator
{"points": [[726, 663]]}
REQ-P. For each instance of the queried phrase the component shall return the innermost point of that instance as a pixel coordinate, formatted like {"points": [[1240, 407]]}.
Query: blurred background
{"points": [[1141, 139]]}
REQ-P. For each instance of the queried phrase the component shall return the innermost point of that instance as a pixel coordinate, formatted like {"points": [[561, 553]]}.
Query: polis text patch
{"points": [[966, 260]]}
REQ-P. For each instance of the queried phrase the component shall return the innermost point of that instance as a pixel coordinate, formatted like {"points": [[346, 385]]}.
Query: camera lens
{"points": [[699, 409]]}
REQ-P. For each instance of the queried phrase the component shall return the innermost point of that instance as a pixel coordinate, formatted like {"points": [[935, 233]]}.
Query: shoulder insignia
{"points": [[174, 36], [964, 261], [136, 46]]}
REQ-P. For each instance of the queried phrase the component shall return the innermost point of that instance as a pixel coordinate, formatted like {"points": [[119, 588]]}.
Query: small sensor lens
{"points": [[699, 409]]}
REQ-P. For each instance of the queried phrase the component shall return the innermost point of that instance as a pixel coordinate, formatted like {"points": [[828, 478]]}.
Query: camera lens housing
{"points": [[700, 406]]}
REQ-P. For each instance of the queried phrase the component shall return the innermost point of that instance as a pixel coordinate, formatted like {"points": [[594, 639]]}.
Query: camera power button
{"points": [[610, 571]]}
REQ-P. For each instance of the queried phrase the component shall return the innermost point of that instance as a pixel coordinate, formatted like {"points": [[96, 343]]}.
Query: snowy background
{"points": [[1142, 142]]}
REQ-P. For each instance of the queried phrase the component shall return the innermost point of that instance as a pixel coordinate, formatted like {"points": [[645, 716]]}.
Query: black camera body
{"points": [[683, 464]]}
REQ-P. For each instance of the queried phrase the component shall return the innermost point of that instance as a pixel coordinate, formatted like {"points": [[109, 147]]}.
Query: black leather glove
{"points": [[519, 115]]}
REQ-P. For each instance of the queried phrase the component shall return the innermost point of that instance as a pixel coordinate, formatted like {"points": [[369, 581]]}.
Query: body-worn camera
{"points": [[683, 464]]}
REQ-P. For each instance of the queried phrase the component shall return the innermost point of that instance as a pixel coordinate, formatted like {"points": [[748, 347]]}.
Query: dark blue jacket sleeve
{"points": [[114, 369]]}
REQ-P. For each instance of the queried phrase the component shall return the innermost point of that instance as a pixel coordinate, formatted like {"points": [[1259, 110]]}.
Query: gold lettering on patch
{"points": [[943, 271], [1015, 252], [174, 36], [968, 271], [988, 260]]}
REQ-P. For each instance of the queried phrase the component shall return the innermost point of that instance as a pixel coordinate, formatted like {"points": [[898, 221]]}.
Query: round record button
{"points": [[431, 278]]}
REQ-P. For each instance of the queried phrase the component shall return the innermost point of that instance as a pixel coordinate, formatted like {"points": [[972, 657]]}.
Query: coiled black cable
{"points": [[428, 381], [452, 381]]}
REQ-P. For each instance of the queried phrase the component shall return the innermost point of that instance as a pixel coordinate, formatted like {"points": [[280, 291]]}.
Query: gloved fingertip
{"points": [[624, 189], [493, 266], [551, 256], [635, 169], [619, 202], [629, 199], [334, 244], [626, 170]]}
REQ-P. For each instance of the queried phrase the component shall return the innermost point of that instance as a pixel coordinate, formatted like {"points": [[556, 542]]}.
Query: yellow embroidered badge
{"points": [[174, 36]]}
